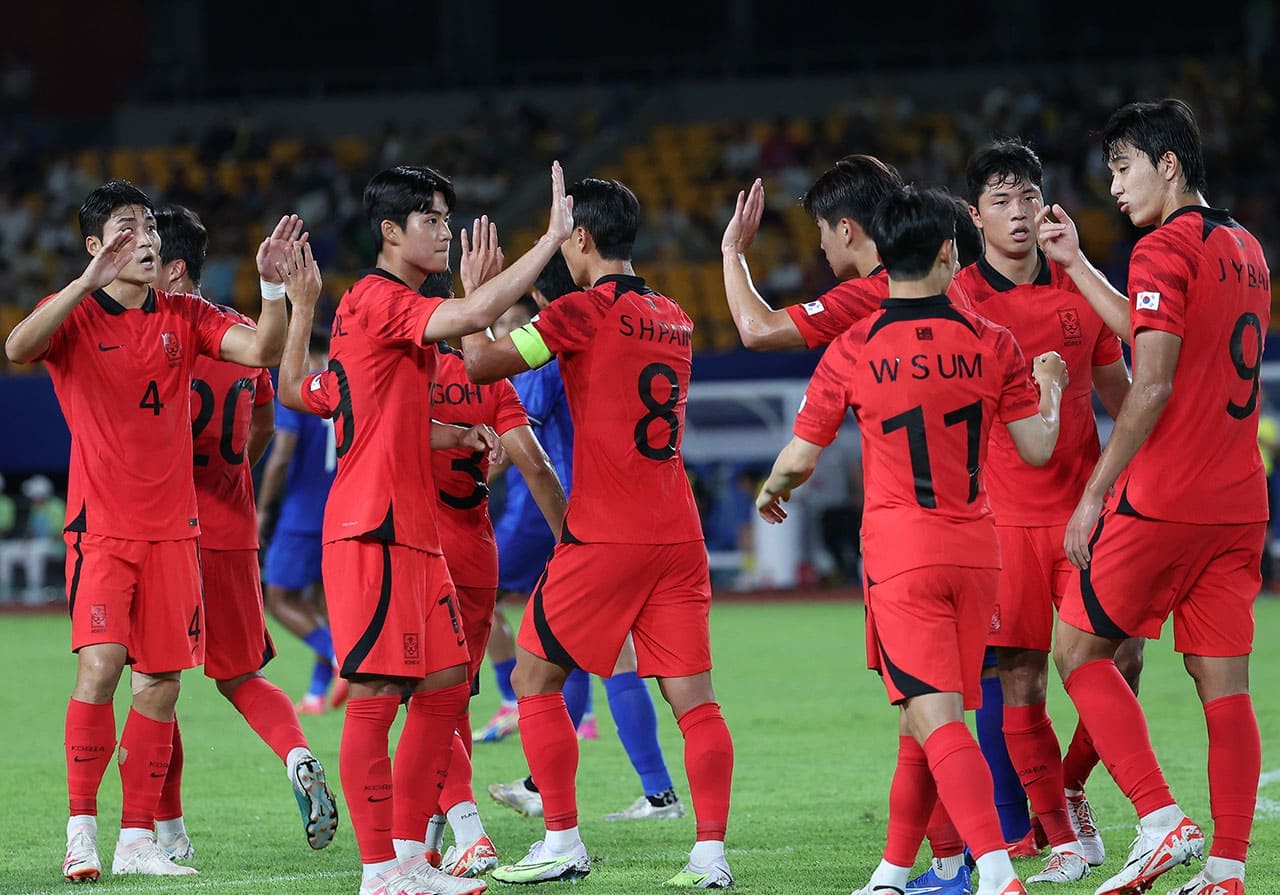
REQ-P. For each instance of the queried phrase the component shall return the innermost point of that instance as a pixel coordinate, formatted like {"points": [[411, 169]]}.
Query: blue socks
{"points": [[321, 643], [1011, 799], [502, 675], [631, 705], [577, 695]]}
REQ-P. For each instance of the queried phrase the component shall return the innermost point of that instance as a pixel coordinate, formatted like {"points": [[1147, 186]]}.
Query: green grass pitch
{"points": [[814, 737]]}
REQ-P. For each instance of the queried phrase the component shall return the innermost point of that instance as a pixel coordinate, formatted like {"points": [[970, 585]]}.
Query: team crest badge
{"points": [[172, 348], [98, 618], [995, 619], [411, 652], [924, 333], [1069, 318]]}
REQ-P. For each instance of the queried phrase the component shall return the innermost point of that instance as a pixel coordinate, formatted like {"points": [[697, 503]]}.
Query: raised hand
{"points": [[560, 224], [300, 274], [745, 223], [481, 255], [109, 262], [1057, 235], [275, 248], [769, 506], [483, 438], [1050, 367]]}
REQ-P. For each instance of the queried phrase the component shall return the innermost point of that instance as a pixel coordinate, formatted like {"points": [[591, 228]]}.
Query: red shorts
{"points": [[1142, 570], [926, 631], [236, 638], [475, 605], [591, 595], [391, 609], [1033, 581], [144, 595]]}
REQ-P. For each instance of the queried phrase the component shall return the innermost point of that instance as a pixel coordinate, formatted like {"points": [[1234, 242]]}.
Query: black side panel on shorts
{"points": [[904, 683], [74, 584], [361, 650], [1101, 623], [550, 645]]}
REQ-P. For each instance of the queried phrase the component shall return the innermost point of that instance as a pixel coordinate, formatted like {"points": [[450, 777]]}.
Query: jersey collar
{"points": [[933, 301], [626, 283], [1000, 283], [111, 306], [1217, 215], [385, 274]]}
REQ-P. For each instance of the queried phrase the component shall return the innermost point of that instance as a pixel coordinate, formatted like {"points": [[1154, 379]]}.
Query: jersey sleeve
{"points": [[840, 307], [320, 393], [1019, 398], [264, 389], [828, 397], [1159, 275], [1107, 350], [510, 413], [569, 323], [210, 323], [396, 313]]}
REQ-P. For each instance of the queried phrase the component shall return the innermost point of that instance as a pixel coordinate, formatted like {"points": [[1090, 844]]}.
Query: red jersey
{"points": [[123, 380], [462, 492], [223, 398], [377, 384], [1048, 314], [926, 380], [626, 356], [1202, 277], [844, 304]]}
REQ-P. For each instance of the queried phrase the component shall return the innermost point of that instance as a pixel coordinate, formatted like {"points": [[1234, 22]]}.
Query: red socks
{"points": [[1033, 749], [365, 769], [1080, 760], [964, 786], [1235, 761], [271, 715], [708, 762], [170, 805], [422, 757], [912, 797], [89, 740], [551, 747], [145, 747], [1110, 711], [457, 787], [944, 838]]}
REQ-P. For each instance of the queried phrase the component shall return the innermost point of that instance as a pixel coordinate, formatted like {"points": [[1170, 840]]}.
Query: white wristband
{"points": [[271, 291]]}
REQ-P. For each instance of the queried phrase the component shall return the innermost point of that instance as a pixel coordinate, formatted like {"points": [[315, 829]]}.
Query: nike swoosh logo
{"points": [[544, 865], [157, 776], [924, 891], [77, 759], [102, 347], [383, 799]]}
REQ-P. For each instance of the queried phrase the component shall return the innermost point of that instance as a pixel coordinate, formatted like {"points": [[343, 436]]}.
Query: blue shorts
{"points": [[523, 551], [293, 560]]}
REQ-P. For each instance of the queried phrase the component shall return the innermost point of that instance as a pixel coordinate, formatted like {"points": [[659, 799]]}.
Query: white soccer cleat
{"points": [[540, 867], [394, 882], [1198, 885], [1062, 867], [81, 864], [518, 797], [715, 875], [1154, 853], [147, 858], [179, 847], [436, 881], [1085, 825], [643, 809], [475, 860], [315, 802]]}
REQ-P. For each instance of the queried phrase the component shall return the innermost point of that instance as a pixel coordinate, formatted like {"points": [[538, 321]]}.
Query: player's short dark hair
{"points": [[555, 279], [105, 199], [528, 305], [851, 188], [909, 227], [968, 236], [437, 285], [1001, 161], [395, 193], [182, 235], [1156, 128], [610, 212]]}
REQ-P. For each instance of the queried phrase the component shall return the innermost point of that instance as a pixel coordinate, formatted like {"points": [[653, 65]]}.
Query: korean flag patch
{"points": [[1148, 301], [813, 307]]}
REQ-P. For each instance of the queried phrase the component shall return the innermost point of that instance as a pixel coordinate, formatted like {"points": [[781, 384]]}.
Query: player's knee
{"points": [[536, 677], [1129, 660], [155, 694], [228, 687], [97, 674]]}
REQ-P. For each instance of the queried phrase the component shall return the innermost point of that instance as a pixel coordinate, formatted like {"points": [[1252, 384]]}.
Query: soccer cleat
{"points": [[179, 847], [715, 875], [1026, 847], [148, 858], [432, 857], [398, 881], [1012, 887], [1154, 853], [869, 889], [311, 704], [315, 802], [341, 690], [1062, 867], [929, 883], [81, 864], [643, 808], [589, 729], [1086, 828], [1198, 885], [540, 867], [436, 881], [518, 797], [505, 721], [475, 860]]}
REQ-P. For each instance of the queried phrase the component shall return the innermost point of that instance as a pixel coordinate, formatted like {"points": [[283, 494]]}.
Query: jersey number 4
{"points": [[913, 422]]}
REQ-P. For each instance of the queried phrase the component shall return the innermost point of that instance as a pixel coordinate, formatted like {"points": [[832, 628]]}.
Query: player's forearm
{"points": [[269, 336], [30, 337], [262, 428], [446, 437], [1138, 417], [272, 479], [293, 360], [1112, 387], [490, 300], [1109, 303], [760, 327], [540, 475]]}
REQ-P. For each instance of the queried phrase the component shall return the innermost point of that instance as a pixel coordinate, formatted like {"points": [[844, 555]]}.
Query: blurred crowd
{"points": [[31, 545]]}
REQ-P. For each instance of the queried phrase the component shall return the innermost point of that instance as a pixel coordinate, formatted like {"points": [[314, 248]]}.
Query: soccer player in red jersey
{"points": [[1172, 519], [1015, 285], [232, 413], [471, 550], [631, 531], [926, 382], [121, 356], [391, 602]]}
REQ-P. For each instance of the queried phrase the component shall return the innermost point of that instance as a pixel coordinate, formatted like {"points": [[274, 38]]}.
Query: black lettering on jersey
{"points": [[919, 366], [456, 393], [1245, 273], [953, 366], [659, 331], [625, 326], [885, 369], [337, 327]]}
